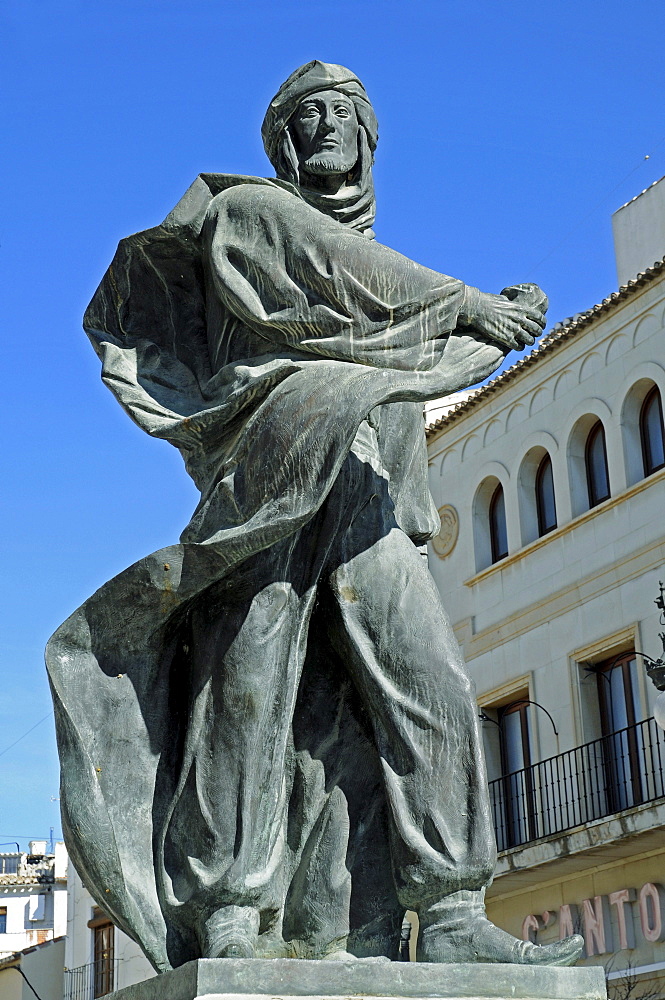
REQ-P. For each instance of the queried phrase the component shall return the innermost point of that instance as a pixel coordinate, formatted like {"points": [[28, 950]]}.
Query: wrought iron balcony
{"points": [[606, 776], [90, 981]]}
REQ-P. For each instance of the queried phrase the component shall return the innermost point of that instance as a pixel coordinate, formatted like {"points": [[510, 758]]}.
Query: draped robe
{"points": [[256, 335]]}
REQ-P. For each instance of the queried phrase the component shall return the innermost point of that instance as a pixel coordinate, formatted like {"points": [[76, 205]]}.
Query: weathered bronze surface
{"points": [[268, 738]]}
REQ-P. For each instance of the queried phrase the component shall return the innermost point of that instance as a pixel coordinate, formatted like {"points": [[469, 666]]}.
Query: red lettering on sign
{"points": [[596, 926], [529, 928], [652, 923], [569, 921], [624, 922]]}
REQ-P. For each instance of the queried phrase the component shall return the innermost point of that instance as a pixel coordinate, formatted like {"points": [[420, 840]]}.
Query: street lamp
{"points": [[656, 668]]}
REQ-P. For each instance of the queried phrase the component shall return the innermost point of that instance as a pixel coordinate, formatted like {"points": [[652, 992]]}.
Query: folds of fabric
{"points": [[255, 335]]}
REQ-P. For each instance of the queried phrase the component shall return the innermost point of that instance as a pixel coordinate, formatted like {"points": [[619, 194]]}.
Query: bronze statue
{"points": [[269, 741]]}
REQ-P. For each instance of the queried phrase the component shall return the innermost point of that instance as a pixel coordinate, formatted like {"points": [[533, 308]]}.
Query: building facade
{"points": [[99, 957], [33, 897], [54, 939], [35, 971], [550, 483], [33, 921]]}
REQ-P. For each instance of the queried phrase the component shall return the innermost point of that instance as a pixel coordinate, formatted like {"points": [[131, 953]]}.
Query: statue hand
{"points": [[511, 322]]}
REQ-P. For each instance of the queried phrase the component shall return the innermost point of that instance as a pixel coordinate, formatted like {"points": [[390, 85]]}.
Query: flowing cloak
{"points": [[255, 334]]}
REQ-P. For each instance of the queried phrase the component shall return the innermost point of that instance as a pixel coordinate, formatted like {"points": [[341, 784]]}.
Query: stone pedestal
{"points": [[282, 979]]}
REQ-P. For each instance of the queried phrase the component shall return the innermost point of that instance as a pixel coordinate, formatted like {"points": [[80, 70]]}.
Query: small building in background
{"points": [[639, 232], [33, 921], [36, 971], [99, 958], [53, 936], [550, 482], [33, 897]]}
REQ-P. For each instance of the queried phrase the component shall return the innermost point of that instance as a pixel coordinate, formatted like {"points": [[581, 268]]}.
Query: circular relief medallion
{"points": [[444, 543]]}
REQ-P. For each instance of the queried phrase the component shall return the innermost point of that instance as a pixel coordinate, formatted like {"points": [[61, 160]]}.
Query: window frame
{"points": [[543, 528], [603, 670], [513, 818], [647, 463], [595, 497], [103, 952], [497, 495]]}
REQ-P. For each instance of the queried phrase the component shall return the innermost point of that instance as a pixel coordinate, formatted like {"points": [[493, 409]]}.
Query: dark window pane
{"points": [[515, 753], [518, 779], [498, 534], [3, 920], [596, 466], [545, 496], [651, 428], [622, 745]]}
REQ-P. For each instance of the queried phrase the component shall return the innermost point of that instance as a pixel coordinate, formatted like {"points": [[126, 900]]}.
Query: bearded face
{"points": [[325, 134]]}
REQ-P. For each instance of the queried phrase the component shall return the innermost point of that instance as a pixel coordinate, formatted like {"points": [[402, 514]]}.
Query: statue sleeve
{"points": [[301, 280]]}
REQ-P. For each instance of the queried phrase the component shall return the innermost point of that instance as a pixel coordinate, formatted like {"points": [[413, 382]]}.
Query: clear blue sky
{"points": [[508, 131]]}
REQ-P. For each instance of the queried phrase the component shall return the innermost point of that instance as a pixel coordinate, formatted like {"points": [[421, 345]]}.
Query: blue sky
{"points": [[509, 132]]}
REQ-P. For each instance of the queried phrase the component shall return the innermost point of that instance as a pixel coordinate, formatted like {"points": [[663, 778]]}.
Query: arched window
{"points": [[651, 432], [595, 458], [497, 519], [490, 538], [545, 504]]}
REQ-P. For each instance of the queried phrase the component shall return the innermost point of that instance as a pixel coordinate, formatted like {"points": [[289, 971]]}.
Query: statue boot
{"points": [[231, 932], [456, 929]]}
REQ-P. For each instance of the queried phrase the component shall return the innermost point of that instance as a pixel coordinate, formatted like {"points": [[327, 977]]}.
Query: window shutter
{"points": [[36, 907]]}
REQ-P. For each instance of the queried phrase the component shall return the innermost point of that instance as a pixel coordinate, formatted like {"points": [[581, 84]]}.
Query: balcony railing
{"points": [[615, 772], [90, 981]]}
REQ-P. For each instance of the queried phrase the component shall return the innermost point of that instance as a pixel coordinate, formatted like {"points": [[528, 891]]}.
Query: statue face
{"points": [[325, 132]]}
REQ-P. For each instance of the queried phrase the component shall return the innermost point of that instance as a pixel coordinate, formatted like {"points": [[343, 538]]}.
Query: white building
{"points": [[551, 485], [99, 957], [34, 971], [53, 937], [33, 897], [33, 921]]}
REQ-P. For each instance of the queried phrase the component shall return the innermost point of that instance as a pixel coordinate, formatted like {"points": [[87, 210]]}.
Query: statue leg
{"points": [[399, 645], [224, 855], [223, 852], [336, 756]]}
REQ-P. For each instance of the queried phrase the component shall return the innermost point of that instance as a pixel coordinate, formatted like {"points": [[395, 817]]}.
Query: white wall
{"points": [[43, 967], [22, 932], [639, 232], [11, 985], [596, 575], [133, 966]]}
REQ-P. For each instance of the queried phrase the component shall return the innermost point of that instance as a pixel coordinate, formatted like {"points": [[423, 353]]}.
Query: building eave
{"points": [[20, 881]]}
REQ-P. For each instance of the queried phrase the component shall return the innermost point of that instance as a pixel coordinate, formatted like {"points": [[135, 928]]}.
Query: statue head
{"points": [[324, 130], [320, 126]]}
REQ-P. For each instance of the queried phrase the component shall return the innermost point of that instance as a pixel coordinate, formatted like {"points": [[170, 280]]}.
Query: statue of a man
{"points": [[269, 741]]}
